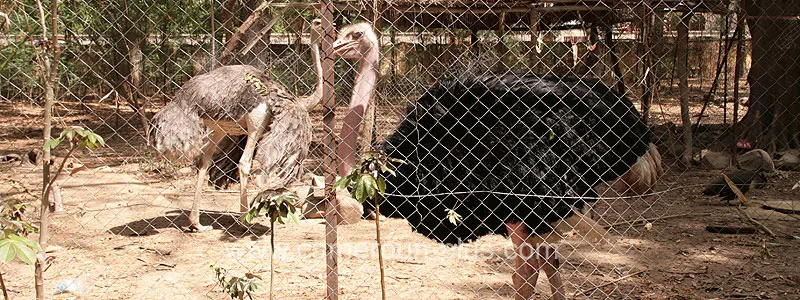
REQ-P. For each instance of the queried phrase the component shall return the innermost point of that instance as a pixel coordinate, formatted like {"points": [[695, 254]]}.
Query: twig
{"points": [[3, 286], [757, 223], [642, 221], [608, 283], [23, 186], [704, 271], [380, 250]]}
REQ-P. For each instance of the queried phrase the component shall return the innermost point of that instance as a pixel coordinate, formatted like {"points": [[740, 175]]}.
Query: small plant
{"points": [[279, 206], [238, 287], [13, 236], [365, 182], [78, 138]]}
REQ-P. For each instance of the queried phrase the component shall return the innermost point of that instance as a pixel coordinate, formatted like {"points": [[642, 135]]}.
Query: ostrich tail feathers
{"points": [[178, 132], [642, 176]]}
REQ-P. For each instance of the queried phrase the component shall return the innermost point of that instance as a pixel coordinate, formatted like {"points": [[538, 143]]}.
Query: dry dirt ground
{"points": [[121, 238]]}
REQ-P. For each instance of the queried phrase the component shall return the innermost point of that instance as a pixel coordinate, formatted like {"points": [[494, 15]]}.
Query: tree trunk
{"points": [[771, 121], [136, 59], [681, 68]]}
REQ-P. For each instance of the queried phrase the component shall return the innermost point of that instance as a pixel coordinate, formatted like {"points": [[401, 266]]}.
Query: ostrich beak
{"points": [[341, 47]]}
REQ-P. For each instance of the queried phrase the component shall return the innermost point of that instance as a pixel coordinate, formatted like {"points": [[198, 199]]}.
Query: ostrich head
{"points": [[356, 41], [316, 31]]}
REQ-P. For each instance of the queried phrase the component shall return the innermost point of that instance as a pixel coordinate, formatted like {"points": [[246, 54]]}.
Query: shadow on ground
{"points": [[232, 228]]}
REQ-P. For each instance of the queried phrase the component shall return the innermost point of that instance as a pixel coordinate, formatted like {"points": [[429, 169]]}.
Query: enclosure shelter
{"points": [[702, 89]]}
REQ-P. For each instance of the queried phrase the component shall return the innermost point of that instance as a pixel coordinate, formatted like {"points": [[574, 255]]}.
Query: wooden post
{"points": [[591, 59], [681, 67], [534, 55], [330, 159], [473, 42], [615, 63], [500, 48], [647, 61], [737, 74]]}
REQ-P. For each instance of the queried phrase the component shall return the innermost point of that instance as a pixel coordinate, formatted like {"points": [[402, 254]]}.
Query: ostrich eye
{"points": [[357, 35]]}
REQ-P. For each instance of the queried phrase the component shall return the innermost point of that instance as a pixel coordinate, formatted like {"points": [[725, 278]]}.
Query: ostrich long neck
{"points": [[362, 93], [308, 102]]}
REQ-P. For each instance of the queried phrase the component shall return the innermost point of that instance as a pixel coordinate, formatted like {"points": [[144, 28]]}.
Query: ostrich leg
{"points": [[526, 263], [549, 262], [257, 121], [205, 161]]}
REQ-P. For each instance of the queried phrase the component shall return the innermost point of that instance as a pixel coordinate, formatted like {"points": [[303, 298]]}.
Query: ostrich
{"points": [[359, 42], [278, 124], [512, 155]]}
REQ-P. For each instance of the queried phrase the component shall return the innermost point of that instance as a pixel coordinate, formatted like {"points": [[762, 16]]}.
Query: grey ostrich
{"points": [[222, 103]]}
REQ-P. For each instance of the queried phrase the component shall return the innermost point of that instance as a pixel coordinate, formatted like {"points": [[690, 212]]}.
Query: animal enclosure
{"points": [[713, 85]]}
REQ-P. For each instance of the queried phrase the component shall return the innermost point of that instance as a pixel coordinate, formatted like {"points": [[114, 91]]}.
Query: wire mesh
{"points": [[711, 84]]}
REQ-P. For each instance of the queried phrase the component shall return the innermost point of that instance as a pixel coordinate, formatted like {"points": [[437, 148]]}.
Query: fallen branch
{"points": [[608, 283], [645, 221], [757, 223]]}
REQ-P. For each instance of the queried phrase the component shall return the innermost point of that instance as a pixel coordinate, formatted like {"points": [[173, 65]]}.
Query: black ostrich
{"points": [[511, 154]]}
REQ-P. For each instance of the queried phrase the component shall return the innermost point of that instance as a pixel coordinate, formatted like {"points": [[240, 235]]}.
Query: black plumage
{"points": [[508, 148], [743, 179]]}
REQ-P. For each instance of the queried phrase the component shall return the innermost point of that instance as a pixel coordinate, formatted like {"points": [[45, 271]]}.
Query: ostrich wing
{"points": [[284, 147]]}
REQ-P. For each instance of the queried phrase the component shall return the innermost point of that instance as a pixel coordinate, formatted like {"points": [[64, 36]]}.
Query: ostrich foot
{"points": [[198, 228]]}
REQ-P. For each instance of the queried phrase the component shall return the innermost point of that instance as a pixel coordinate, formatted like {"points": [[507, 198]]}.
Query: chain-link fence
{"points": [[495, 157]]}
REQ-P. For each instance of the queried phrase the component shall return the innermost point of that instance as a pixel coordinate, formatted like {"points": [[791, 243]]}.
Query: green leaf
{"points": [[294, 218], [381, 186], [52, 144], [7, 251], [248, 217], [360, 191], [26, 254], [30, 243], [342, 182], [70, 134], [371, 185], [551, 134], [17, 246]]}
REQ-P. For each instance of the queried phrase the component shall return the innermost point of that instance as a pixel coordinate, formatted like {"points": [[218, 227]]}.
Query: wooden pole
{"points": [[591, 58], [737, 75], [615, 63], [330, 159], [213, 34], [647, 62], [681, 67], [534, 56]]}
